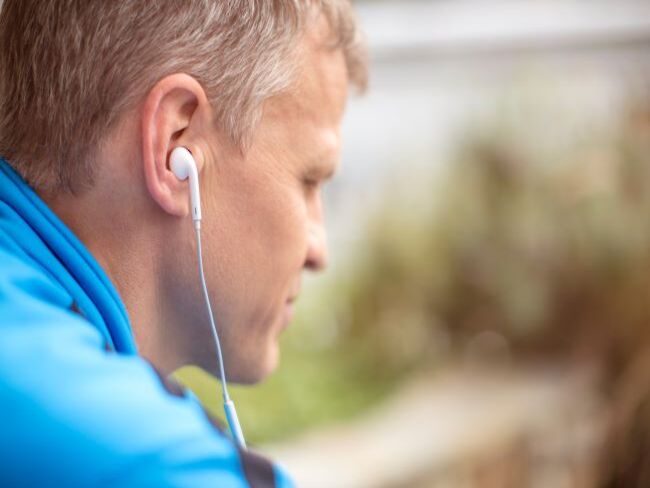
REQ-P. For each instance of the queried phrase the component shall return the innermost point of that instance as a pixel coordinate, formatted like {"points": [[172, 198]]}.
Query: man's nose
{"points": [[317, 253]]}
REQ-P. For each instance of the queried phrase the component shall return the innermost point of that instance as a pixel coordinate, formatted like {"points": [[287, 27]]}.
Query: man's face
{"points": [[263, 218]]}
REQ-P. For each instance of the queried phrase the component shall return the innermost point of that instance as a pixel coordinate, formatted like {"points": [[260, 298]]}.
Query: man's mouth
{"points": [[289, 310]]}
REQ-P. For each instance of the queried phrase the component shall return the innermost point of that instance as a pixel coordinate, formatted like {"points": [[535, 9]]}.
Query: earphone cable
{"points": [[206, 298], [228, 404]]}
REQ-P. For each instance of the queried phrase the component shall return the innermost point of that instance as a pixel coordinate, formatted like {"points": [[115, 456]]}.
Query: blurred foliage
{"points": [[530, 242], [548, 250], [553, 251]]}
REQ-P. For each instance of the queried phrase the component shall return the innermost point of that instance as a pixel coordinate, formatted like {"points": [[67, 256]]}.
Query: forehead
{"points": [[320, 86]]}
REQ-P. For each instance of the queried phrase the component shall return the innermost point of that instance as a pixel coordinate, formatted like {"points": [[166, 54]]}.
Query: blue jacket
{"points": [[78, 406]]}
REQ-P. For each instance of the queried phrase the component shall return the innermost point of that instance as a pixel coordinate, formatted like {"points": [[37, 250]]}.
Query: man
{"points": [[99, 293]]}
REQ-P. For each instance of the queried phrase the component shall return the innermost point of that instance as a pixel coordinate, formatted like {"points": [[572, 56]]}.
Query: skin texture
{"points": [[262, 215]]}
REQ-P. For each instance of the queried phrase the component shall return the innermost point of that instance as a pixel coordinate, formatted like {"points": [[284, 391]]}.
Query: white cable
{"points": [[229, 406]]}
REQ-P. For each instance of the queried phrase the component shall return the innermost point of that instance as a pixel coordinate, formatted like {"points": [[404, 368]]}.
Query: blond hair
{"points": [[69, 69]]}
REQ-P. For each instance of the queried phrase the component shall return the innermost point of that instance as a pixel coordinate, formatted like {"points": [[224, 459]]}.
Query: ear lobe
{"points": [[170, 114]]}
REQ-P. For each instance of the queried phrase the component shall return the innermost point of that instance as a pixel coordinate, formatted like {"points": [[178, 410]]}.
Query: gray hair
{"points": [[69, 69]]}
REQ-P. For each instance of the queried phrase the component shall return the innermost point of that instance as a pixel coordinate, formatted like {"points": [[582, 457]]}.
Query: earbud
{"points": [[183, 166]]}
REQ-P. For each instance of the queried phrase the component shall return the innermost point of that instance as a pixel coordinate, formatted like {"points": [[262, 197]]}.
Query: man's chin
{"points": [[254, 368]]}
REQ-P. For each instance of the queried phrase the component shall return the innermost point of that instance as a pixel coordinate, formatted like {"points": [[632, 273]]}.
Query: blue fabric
{"points": [[71, 412]]}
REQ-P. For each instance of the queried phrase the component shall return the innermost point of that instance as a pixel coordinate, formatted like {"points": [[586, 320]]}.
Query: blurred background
{"points": [[485, 321]]}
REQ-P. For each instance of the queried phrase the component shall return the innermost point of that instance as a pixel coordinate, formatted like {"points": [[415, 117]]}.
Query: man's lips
{"points": [[289, 309], [289, 306]]}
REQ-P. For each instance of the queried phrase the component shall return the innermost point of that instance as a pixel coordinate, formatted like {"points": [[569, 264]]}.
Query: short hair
{"points": [[69, 69]]}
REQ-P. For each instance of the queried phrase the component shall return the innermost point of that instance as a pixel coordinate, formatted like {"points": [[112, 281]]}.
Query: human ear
{"points": [[173, 114]]}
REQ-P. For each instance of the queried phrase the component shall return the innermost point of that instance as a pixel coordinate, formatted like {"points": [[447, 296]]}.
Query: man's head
{"points": [[95, 95]]}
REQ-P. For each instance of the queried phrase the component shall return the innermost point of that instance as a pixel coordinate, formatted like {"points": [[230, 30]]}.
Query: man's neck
{"points": [[127, 251]]}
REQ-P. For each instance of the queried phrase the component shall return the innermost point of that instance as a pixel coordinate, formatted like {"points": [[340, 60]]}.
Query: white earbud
{"points": [[183, 166]]}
